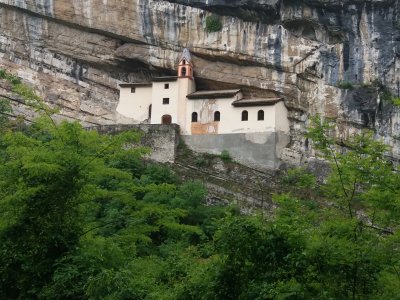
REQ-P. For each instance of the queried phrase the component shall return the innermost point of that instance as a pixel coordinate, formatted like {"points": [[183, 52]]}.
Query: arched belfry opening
{"points": [[185, 65]]}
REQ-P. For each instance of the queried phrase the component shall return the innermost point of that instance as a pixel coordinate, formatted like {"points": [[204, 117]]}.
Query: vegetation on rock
{"points": [[213, 23], [346, 85], [226, 156]]}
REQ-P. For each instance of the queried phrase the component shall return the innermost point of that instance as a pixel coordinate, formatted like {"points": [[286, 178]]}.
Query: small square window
{"points": [[166, 86], [165, 101], [133, 89]]}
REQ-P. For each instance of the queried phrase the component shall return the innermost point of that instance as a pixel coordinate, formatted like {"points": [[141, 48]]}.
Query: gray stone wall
{"points": [[162, 139], [260, 150]]}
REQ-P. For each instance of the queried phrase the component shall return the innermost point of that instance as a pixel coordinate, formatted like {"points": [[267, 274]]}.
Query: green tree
{"points": [[82, 216], [351, 242], [337, 243], [5, 110], [48, 176]]}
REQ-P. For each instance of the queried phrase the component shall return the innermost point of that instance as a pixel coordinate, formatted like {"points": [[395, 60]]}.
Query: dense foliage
{"points": [[82, 216], [213, 23]]}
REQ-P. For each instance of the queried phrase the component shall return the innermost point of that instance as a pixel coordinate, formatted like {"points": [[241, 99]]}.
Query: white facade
{"points": [[174, 100], [230, 117], [134, 101], [165, 101]]}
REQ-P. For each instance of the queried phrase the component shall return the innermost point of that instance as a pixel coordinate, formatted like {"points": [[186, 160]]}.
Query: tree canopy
{"points": [[83, 216]]}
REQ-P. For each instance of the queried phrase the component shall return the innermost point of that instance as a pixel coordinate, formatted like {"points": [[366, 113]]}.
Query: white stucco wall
{"points": [[281, 120], [231, 117], [186, 87], [158, 108], [135, 105]]}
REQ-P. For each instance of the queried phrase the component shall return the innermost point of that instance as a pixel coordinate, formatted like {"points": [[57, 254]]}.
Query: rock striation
{"points": [[77, 51]]}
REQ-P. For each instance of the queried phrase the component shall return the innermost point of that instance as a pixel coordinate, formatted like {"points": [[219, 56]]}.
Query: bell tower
{"points": [[185, 65], [186, 86]]}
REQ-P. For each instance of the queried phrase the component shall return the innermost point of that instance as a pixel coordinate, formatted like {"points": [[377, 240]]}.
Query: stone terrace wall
{"points": [[162, 139], [258, 150]]}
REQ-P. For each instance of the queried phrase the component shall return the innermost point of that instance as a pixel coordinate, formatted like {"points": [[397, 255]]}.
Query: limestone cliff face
{"points": [[77, 51]]}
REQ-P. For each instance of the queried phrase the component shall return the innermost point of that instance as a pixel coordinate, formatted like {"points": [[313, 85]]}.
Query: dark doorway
{"points": [[183, 72], [166, 119]]}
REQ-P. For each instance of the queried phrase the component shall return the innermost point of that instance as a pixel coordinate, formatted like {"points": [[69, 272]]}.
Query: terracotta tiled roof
{"points": [[213, 94], [256, 102]]}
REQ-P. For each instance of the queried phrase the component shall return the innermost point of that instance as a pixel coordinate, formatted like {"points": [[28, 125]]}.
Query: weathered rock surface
{"points": [[77, 52]]}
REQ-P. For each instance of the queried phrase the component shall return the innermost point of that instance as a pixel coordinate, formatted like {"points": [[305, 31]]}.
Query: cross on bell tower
{"points": [[185, 65]]}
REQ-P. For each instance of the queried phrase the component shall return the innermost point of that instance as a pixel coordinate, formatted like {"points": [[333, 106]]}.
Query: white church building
{"points": [[253, 130]]}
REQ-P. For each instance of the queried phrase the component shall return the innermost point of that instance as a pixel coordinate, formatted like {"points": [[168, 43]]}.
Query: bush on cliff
{"points": [[213, 23]]}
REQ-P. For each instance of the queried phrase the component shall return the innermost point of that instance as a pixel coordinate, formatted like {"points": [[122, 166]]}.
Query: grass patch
{"points": [[13, 79], [26, 93]]}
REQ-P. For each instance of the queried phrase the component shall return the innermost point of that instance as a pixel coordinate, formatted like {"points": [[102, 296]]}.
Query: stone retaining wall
{"points": [[258, 150], [162, 139]]}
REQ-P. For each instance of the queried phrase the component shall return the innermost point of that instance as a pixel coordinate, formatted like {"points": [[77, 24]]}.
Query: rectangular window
{"points": [[133, 89], [165, 101], [166, 86]]}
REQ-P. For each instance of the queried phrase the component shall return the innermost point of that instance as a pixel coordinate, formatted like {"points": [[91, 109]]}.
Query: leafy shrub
{"points": [[205, 159], [158, 174], [213, 23], [346, 85], [225, 156], [200, 161], [396, 101], [300, 178]]}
